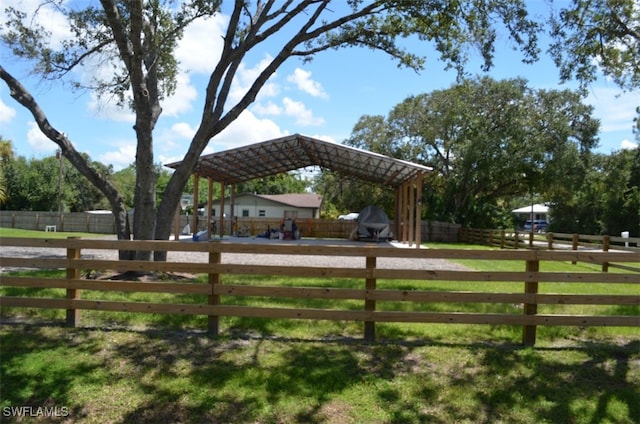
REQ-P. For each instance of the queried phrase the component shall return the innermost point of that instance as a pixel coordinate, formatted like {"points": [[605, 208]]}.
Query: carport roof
{"points": [[297, 151]]}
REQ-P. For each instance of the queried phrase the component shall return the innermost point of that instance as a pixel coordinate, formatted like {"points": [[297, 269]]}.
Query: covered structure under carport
{"points": [[296, 151]]}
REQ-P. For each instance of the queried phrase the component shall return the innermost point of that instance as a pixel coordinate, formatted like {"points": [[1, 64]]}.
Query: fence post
{"points": [[502, 237], [369, 304], [214, 299], [73, 314], [550, 241], [606, 240], [574, 245], [530, 287], [516, 242]]}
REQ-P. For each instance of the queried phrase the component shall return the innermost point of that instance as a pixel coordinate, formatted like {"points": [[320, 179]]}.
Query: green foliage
{"points": [[344, 195], [288, 182], [38, 185], [488, 142], [608, 199], [598, 35]]}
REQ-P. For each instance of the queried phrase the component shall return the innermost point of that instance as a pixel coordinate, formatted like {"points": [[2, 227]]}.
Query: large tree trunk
{"points": [[144, 218], [139, 50]]}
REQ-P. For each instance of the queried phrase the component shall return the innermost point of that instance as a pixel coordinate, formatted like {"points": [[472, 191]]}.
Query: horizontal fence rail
{"points": [[219, 260], [550, 241]]}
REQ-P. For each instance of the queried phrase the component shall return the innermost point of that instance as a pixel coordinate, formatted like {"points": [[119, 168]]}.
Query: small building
{"points": [[536, 212], [249, 205]]}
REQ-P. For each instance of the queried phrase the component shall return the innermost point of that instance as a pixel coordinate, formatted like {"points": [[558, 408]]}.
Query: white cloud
{"points": [[183, 130], [628, 145], [181, 101], [302, 80], [122, 157], [38, 141], [6, 113], [48, 16], [172, 142], [324, 137], [200, 47], [270, 108], [106, 108], [298, 110], [247, 129], [245, 77]]}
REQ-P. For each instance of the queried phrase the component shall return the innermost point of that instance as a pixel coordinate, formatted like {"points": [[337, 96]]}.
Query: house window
{"points": [[262, 213], [291, 214], [245, 213]]}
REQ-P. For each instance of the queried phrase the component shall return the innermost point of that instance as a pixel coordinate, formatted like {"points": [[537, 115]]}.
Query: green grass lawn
{"points": [[102, 375], [151, 368]]}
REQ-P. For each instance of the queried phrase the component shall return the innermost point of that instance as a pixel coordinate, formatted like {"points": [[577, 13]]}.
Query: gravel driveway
{"points": [[251, 259]]}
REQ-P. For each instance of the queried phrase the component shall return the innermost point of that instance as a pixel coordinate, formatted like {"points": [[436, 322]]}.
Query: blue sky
{"points": [[323, 98]]}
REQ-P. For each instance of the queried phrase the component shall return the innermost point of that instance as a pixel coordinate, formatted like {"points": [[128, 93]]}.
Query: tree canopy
{"points": [[488, 142]]}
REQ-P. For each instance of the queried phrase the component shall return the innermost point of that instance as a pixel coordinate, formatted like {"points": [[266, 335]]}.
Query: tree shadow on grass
{"points": [[182, 376], [583, 384]]}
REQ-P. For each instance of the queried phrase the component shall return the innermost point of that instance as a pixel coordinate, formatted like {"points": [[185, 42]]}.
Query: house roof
{"points": [[297, 151], [537, 208], [298, 200]]}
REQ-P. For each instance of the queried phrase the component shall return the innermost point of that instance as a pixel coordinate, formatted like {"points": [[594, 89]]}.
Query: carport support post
{"points": [[214, 299], [221, 227], [405, 207], [194, 218], [530, 287], [209, 209], [419, 210], [411, 212], [397, 231], [73, 314], [370, 304]]}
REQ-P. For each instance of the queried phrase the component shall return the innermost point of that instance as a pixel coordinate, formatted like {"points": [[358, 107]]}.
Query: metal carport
{"points": [[298, 151]]}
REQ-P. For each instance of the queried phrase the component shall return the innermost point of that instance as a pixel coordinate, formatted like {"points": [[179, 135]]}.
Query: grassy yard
{"points": [[17, 232], [147, 368], [128, 376]]}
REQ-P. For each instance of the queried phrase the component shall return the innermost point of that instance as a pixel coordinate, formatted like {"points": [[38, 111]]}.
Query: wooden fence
{"points": [[104, 223], [220, 296], [554, 241]]}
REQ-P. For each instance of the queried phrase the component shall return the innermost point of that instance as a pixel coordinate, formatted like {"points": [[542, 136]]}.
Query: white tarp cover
{"points": [[373, 224]]}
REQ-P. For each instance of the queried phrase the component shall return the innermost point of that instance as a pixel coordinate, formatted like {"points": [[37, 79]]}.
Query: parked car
{"points": [[539, 225], [353, 216]]}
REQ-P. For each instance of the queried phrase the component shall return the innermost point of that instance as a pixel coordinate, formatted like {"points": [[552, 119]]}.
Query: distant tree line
{"points": [[51, 183], [495, 146]]}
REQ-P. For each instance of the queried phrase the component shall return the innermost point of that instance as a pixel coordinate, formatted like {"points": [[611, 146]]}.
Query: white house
{"points": [[540, 212], [249, 205]]}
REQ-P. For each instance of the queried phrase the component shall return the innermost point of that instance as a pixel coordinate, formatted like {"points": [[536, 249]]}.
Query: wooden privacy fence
{"points": [[215, 259], [104, 223]]}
